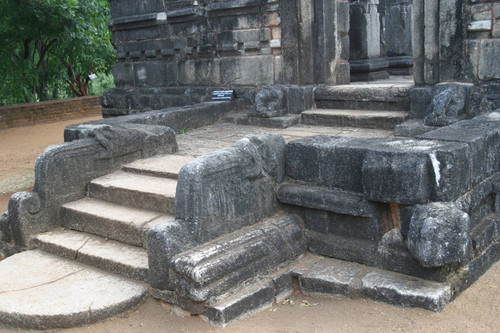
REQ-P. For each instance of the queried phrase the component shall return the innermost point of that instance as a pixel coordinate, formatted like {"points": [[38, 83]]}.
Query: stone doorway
{"points": [[381, 39]]}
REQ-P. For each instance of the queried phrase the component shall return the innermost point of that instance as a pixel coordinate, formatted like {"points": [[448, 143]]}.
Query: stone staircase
{"points": [[381, 105], [108, 229]]}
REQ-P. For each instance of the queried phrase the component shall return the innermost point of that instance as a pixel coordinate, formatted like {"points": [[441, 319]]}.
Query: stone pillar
{"points": [[399, 36], [365, 51], [439, 41], [315, 41]]}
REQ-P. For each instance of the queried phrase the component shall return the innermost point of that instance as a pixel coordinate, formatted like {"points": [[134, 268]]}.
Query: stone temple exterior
{"points": [[177, 52], [411, 218]]}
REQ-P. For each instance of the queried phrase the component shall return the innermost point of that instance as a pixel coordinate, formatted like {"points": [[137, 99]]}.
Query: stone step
{"points": [[42, 291], [327, 276], [136, 190], [107, 255], [109, 220], [244, 302], [389, 96], [166, 166], [349, 118]]}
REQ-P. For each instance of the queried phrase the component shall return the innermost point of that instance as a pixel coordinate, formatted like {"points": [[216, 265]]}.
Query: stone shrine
{"points": [[410, 217]]}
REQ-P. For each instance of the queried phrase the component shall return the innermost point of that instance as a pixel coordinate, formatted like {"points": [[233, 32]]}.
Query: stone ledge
{"points": [[336, 201], [327, 276]]}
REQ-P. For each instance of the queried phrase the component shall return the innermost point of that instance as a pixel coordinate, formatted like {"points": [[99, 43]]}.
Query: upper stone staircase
{"points": [[379, 104], [108, 229]]}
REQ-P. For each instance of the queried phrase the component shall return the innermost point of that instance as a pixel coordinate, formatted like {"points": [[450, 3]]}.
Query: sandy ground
{"points": [[475, 310]]}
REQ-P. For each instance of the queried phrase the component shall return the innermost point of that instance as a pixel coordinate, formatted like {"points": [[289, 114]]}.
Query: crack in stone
{"points": [[81, 247], [43, 284]]}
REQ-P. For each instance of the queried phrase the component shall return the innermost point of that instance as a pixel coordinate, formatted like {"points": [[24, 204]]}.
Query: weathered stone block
{"points": [[412, 128], [488, 60], [244, 302], [420, 98], [331, 277], [258, 71], [224, 191], [271, 148], [165, 240], [341, 165], [302, 160], [296, 99], [213, 268], [154, 74], [199, 72], [484, 233], [335, 201], [130, 8], [407, 291], [439, 234], [397, 177], [449, 104], [123, 74], [351, 249], [483, 138], [268, 103]]}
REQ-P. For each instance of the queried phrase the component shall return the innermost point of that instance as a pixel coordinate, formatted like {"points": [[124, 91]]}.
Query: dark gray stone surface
{"points": [[439, 234], [406, 291], [482, 135], [226, 190], [397, 177], [335, 201], [376, 167], [271, 148], [247, 301], [345, 248], [412, 128], [165, 240], [449, 104], [420, 98], [215, 267], [329, 277], [268, 103], [484, 234], [275, 122]]}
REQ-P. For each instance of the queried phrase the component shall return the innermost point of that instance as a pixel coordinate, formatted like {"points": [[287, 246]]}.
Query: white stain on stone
{"points": [[141, 74], [494, 116], [436, 167]]}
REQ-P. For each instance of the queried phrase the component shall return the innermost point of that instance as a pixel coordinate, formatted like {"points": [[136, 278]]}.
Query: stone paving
{"points": [[209, 138]]}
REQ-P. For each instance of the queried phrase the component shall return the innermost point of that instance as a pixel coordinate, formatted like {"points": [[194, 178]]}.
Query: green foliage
{"points": [[43, 40]]}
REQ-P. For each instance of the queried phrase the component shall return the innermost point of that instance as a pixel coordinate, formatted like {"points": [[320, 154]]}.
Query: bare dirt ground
{"points": [[475, 310]]}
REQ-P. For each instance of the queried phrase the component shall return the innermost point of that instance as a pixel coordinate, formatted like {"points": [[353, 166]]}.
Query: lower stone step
{"points": [[108, 255], [135, 190], [327, 276], [244, 302], [42, 291], [353, 118], [109, 220]]}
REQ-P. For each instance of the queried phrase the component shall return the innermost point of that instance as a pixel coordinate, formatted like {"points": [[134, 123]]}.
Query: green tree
{"points": [[50, 47]]}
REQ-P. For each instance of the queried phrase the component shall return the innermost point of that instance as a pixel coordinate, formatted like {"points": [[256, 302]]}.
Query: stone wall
{"points": [[423, 207], [174, 53], [42, 112], [456, 42]]}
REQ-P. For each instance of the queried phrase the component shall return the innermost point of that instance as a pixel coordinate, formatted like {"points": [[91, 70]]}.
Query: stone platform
{"points": [[42, 291]]}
